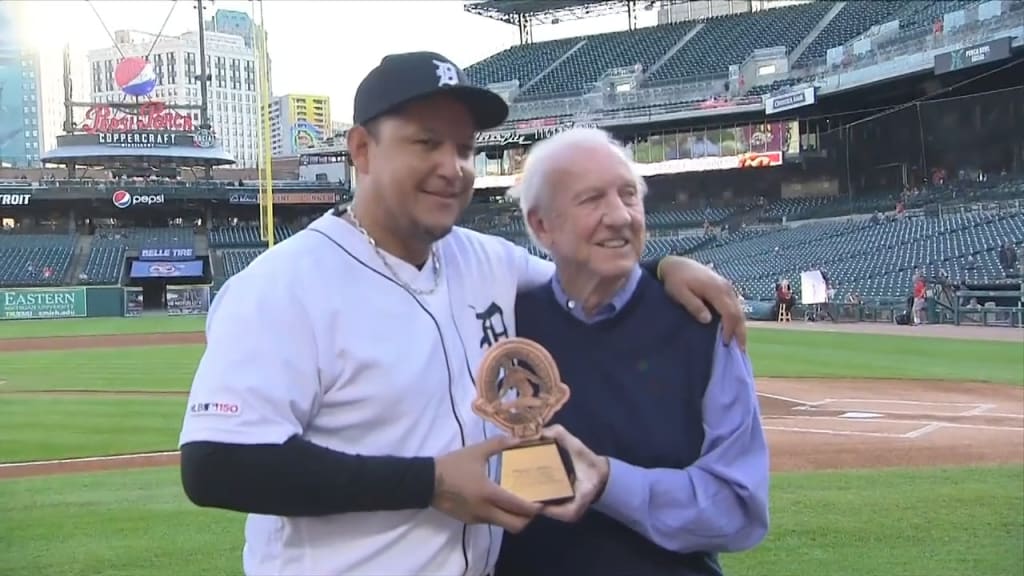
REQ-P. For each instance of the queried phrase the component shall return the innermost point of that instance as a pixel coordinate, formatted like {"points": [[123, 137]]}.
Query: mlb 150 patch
{"points": [[215, 409]]}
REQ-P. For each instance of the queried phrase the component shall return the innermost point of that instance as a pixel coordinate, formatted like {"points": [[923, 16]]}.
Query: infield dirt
{"points": [[811, 424]]}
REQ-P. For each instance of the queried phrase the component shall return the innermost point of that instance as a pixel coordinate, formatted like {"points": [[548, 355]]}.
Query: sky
{"points": [[318, 47]]}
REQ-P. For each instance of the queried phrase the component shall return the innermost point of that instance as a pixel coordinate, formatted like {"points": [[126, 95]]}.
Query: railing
{"points": [[85, 182], [916, 41]]}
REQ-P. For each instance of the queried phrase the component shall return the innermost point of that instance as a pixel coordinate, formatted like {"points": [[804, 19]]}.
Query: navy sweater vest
{"points": [[638, 382]]}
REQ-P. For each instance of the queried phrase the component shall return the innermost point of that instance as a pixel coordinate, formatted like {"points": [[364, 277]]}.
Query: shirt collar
{"points": [[607, 310]]}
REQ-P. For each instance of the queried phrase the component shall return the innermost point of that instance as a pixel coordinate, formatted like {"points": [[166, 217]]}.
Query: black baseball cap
{"points": [[402, 78]]}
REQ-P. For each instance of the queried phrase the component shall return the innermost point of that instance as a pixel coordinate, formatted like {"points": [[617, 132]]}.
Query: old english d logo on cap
{"points": [[447, 73]]}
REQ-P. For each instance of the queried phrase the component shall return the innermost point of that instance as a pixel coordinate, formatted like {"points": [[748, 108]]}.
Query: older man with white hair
{"points": [[671, 459]]}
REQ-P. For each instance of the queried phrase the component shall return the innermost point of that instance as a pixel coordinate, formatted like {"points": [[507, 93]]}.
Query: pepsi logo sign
{"points": [[123, 199], [135, 76]]}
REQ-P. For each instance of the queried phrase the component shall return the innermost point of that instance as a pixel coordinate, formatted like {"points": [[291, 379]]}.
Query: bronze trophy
{"points": [[519, 389]]}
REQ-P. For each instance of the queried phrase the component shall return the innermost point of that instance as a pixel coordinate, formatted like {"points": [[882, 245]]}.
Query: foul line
{"points": [[910, 402], [88, 459], [834, 432], [972, 412], [793, 400], [918, 422]]}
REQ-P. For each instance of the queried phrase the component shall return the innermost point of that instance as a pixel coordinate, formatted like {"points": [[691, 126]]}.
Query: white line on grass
{"points": [[89, 459]]}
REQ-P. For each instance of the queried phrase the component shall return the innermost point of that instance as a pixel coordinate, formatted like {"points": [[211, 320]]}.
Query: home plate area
{"points": [[813, 422]]}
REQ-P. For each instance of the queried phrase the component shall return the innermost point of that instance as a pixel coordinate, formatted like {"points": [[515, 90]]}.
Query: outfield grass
{"points": [[100, 326], [67, 427], [127, 368], [920, 523]]}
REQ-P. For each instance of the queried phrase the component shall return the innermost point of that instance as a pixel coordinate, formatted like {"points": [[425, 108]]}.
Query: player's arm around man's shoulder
{"points": [[696, 287]]}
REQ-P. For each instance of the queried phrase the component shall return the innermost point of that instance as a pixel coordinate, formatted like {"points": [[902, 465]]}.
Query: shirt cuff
{"points": [[624, 492]]}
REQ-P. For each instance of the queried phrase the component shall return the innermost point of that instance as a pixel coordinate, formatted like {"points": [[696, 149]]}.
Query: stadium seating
{"points": [[875, 259], [35, 259], [523, 62], [684, 218], [922, 14], [854, 19], [795, 208], [138, 238], [244, 235], [236, 260], [603, 52], [105, 263], [721, 42]]}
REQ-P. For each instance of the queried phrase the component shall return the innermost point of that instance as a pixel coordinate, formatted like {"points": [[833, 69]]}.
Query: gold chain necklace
{"points": [[398, 278]]}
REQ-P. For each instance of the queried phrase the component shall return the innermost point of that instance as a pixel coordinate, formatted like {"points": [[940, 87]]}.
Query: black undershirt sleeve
{"points": [[299, 478]]}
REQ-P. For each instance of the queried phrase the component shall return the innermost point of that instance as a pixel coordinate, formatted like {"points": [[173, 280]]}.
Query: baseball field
{"points": [[892, 454]]}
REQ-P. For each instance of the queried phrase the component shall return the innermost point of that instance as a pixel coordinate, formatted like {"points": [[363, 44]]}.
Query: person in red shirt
{"points": [[920, 293]]}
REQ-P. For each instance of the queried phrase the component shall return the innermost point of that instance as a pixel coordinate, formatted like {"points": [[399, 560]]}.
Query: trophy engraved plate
{"points": [[519, 389]]}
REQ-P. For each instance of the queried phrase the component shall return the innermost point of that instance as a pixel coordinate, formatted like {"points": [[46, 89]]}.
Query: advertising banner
{"points": [[184, 300], [166, 254], [15, 199], [790, 101], [161, 269], [132, 302], [287, 198], [976, 55], [34, 303]]}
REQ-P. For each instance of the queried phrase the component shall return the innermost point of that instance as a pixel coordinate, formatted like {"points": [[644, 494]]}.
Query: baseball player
{"points": [[333, 401]]}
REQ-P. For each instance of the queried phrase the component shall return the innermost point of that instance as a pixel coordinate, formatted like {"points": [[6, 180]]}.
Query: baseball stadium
{"points": [[856, 169]]}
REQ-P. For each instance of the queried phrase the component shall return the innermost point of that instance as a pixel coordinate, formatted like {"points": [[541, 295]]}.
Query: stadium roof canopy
{"points": [[544, 11], [95, 155]]}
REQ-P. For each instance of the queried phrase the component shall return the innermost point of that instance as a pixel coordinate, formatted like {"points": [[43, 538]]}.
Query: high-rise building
{"points": [[20, 106], [232, 90], [52, 109], [239, 24], [298, 122]]}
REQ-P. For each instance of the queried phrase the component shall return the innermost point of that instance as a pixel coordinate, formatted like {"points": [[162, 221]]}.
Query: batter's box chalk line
{"points": [[927, 426]]}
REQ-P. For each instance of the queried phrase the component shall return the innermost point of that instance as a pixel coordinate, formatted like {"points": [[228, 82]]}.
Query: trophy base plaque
{"points": [[538, 471]]}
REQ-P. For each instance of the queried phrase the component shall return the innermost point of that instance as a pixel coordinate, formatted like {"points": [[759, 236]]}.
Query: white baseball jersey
{"points": [[316, 338]]}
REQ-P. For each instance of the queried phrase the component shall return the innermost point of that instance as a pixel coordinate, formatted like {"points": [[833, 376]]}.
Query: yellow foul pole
{"points": [[267, 192]]}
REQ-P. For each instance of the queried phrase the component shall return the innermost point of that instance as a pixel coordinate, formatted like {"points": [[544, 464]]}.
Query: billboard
{"points": [[151, 116], [183, 300], [789, 101], [288, 198], [151, 269], [15, 199], [35, 303], [166, 254], [969, 56], [12, 96], [133, 302]]}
